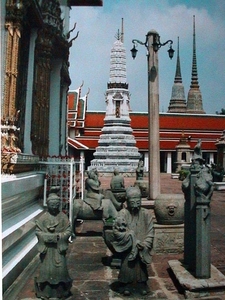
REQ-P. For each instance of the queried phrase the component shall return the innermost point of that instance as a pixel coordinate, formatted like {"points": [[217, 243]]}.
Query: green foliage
{"points": [[222, 112]]}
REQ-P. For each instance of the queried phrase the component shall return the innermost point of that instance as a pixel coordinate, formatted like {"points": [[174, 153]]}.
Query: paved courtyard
{"points": [[88, 259]]}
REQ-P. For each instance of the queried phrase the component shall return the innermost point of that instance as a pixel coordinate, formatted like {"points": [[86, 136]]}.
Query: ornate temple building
{"points": [[173, 127], [180, 128], [77, 107], [36, 77], [220, 144], [35, 45]]}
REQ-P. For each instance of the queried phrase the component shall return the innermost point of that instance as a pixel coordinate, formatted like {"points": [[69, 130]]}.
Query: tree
{"points": [[222, 112]]}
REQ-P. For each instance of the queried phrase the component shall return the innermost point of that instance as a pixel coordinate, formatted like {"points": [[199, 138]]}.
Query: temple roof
{"points": [[172, 126]]}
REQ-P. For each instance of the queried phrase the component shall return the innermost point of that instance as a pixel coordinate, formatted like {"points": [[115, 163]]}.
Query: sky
{"points": [[97, 26]]}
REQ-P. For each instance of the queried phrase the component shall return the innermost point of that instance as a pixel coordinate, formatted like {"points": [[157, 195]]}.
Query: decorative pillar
{"points": [[203, 193], [169, 163], [153, 44], [153, 121], [9, 115], [11, 69], [198, 189], [211, 158], [189, 218]]}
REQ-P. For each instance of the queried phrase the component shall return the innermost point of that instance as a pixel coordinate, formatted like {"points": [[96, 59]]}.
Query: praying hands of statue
{"points": [[51, 238]]}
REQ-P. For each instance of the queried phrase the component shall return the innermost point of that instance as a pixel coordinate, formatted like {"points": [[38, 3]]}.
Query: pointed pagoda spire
{"points": [[194, 100], [194, 74], [118, 72], [177, 101], [178, 77]]}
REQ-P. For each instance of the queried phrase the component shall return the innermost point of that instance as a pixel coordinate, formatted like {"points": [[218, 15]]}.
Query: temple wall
{"points": [[54, 120], [30, 79], [20, 209]]}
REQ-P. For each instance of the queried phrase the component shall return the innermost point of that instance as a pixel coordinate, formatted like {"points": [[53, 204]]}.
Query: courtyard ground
{"points": [[88, 257]]}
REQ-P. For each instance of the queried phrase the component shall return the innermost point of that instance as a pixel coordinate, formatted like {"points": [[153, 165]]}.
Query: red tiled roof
{"points": [[172, 126], [76, 144]]}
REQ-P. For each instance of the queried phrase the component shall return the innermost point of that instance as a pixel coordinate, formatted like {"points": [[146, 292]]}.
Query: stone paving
{"points": [[88, 259]]}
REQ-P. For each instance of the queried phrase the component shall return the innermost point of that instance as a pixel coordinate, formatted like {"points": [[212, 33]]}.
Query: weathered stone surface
{"points": [[168, 239], [198, 190], [199, 287], [169, 209], [88, 252]]}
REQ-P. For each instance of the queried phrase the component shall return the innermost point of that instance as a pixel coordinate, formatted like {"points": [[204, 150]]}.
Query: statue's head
{"points": [[95, 171], [53, 203], [116, 172], [93, 174], [120, 223], [133, 195]]}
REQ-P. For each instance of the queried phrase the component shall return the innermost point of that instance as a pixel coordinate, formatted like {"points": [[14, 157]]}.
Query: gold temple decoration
{"points": [[10, 113], [12, 50], [51, 50]]}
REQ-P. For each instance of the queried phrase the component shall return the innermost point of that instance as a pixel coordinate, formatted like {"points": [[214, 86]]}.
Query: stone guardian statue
{"points": [[53, 231]]}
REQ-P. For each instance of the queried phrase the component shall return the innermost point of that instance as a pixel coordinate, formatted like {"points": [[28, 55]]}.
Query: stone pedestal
{"points": [[199, 288], [169, 239], [219, 186]]}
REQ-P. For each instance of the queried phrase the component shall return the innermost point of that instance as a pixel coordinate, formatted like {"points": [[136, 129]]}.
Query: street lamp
{"points": [[156, 46], [153, 44]]}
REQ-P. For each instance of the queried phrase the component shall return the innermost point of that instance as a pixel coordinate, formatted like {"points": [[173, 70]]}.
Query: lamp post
{"points": [[153, 44]]}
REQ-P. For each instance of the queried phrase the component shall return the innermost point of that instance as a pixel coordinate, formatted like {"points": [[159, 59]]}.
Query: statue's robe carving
{"points": [[53, 233], [139, 228]]}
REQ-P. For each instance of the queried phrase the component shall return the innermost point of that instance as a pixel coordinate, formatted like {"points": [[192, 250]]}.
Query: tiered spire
{"points": [[178, 78], [194, 101], [116, 146], [118, 72], [177, 101], [194, 74]]}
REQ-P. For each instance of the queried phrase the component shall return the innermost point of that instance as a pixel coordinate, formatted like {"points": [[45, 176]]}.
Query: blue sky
{"points": [[97, 26]]}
